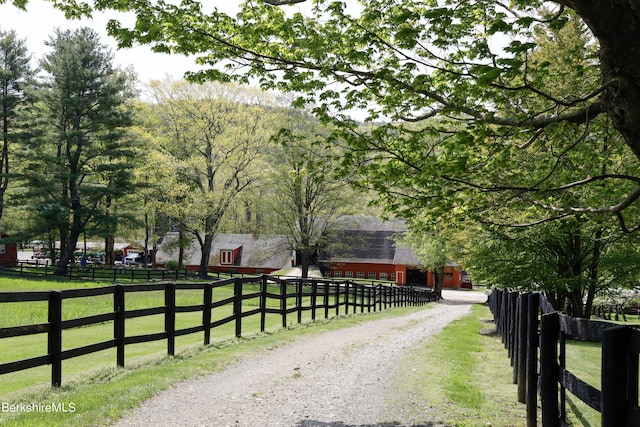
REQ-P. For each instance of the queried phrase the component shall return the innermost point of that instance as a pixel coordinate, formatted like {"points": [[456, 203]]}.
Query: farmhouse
{"points": [[234, 253]]}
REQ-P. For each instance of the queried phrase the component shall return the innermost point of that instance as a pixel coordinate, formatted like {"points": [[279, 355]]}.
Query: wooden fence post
{"points": [[170, 317], [503, 317], [314, 299], [283, 303], [237, 305], [532, 359], [346, 297], [619, 377], [299, 299], [326, 299], [263, 302], [206, 312], [119, 323], [549, 334], [521, 353], [55, 337]]}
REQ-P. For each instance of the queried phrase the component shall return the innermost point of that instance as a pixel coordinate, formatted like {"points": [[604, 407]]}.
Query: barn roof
{"points": [[368, 240]]}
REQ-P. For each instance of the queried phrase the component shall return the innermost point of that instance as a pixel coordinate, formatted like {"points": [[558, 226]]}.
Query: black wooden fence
{"points": [[317, 296], [40, 268], [535, 334]]}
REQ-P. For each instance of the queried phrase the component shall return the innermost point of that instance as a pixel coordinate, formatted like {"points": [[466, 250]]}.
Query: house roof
{"points": [[259, 251]]}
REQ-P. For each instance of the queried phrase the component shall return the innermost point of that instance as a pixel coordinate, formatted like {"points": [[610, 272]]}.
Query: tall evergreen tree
{"points": [[15, 73], [80, 157]]}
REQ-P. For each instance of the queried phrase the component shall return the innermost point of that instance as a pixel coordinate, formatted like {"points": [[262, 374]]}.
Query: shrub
{"points": [[171, 265]]}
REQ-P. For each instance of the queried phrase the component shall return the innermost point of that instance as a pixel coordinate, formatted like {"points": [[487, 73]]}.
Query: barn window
{"points": [[348, 274], [360, 274], [226, 257], [383, 276], [372, 275]]}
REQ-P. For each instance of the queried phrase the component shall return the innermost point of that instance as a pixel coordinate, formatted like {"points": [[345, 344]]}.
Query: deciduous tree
{"points": [[308, 195], [212, 134], [406, 61]]}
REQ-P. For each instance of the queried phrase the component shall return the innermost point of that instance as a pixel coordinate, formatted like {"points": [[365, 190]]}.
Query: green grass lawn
{"points": [[462, 377], [465, 376], [25, 313]]}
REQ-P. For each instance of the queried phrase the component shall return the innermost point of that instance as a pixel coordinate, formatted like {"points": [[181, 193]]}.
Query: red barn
{"points": [[454, 277], [367, 248], [8, 253]]}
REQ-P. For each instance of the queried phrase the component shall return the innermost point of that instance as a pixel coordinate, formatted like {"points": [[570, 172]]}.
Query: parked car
{"points": [[136, 259]]}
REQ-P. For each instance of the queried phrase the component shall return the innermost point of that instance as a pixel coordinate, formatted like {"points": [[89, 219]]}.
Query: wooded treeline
{"points": [[85, 158]]}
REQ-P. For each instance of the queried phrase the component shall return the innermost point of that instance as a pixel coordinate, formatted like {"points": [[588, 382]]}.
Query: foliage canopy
{"points": [[402, 62]]}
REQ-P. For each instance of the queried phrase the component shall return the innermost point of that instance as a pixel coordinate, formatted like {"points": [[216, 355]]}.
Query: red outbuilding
{"points": [[8, 252]]}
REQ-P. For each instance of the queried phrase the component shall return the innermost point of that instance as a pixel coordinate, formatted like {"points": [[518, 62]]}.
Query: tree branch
{"points": [[283, 2]]}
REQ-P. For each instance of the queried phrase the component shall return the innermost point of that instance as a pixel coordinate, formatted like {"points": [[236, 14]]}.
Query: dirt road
{"points": [[335, 379]]}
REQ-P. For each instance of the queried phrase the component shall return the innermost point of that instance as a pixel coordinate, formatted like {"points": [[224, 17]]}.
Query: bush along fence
{"points": [[317, 296], [535, 335]]}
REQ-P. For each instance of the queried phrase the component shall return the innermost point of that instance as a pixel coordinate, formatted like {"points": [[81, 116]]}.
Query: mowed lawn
{"points": [[28, 313]]}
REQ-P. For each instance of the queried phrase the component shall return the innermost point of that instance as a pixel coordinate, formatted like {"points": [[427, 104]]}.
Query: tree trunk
{"points": [[593, 274], [305, 259], [109, 253], [181, 244], [66, 252], [438, 275], [615, 23], [205, 250]]}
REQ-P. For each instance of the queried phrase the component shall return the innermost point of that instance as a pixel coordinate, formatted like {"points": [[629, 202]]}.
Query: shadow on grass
{"points": [[577, 413]]}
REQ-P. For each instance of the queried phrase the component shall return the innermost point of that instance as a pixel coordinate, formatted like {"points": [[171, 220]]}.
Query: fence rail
{"points": [[312, 295], [535, 335], [40, 268]]}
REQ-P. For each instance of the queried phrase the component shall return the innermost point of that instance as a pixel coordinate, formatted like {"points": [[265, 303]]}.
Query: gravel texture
{"points": [[334, 379]]}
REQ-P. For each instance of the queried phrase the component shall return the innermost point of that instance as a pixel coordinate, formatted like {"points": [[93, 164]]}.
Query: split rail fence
{"points": [[324, 298], [535, 335]]}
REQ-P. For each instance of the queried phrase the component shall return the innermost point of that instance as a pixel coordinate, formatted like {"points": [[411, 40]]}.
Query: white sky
{"points": [[37, 24]]}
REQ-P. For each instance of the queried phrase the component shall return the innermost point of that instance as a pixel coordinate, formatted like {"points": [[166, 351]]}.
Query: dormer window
{"points": [[230, 255], [226, 257]]}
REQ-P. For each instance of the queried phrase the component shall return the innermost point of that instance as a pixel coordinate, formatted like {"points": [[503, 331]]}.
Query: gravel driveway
{"points": [[334, 379]]}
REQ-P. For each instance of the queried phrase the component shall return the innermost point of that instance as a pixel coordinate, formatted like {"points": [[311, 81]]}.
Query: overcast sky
{"points": [[37, 25]]}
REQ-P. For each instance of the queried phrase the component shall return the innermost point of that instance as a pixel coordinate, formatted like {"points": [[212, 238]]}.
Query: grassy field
{"points": [[469, 377], [25, 313]]}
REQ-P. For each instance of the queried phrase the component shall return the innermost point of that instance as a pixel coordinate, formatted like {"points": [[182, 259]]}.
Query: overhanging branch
{"points": [[283, 2]]}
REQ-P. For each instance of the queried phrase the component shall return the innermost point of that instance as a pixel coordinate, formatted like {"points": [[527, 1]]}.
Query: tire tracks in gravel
{"points": [[334, 379]]}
